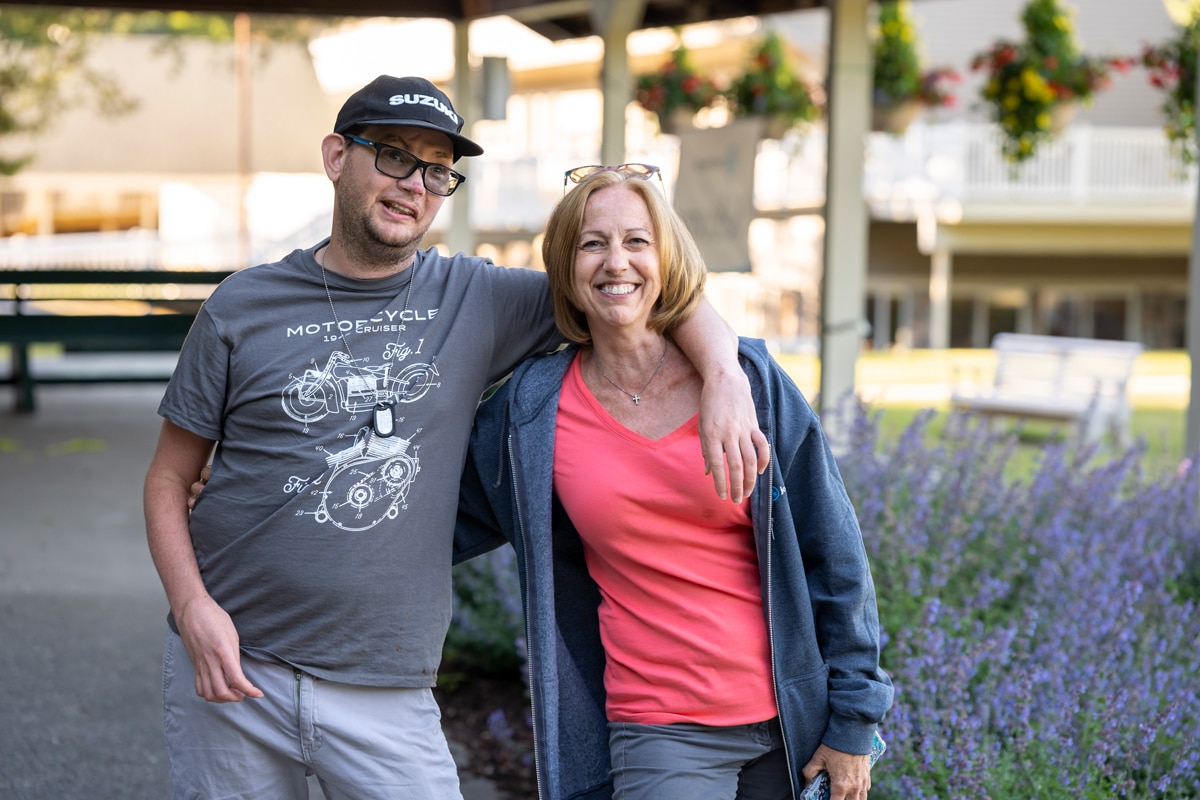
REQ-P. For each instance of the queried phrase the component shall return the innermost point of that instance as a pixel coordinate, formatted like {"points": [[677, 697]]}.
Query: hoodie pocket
{"points": [[804, 710]]}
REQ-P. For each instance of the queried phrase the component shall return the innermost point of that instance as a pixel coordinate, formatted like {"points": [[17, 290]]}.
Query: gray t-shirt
{"points": [[328, 544]]}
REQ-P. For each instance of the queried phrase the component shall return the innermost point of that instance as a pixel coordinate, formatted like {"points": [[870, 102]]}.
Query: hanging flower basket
{"points": [[675, 92], [676, 121], [1034, 86], [777, 126], [901, 88], [1172, 69], [772, 87], [897, 118], [1061, 116]]}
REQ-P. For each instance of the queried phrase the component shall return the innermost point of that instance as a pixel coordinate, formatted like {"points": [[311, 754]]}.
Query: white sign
{"points": [[715, 191]]}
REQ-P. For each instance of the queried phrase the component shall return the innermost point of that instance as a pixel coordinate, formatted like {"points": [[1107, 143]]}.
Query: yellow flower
{"points": [[1026, 144], [1033, 82], [1043, 121], [1012, 102]]}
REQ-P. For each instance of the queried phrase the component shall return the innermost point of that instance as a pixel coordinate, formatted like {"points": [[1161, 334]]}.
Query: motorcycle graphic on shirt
{"points": [[347, 385], [368, 481]]}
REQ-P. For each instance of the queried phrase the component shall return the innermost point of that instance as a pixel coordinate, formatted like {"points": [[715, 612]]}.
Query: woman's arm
{"points": [[730, 438]]}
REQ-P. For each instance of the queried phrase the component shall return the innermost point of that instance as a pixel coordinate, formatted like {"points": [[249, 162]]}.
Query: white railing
{"points": [[1086, 167], [143, 249], [118, 250]]}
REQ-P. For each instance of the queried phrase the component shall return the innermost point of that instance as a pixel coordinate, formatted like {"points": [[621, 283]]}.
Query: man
{"points": [[338, 388]]}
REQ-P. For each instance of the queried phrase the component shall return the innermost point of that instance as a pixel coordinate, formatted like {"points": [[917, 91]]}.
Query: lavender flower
{"points": [[1040, 629]]}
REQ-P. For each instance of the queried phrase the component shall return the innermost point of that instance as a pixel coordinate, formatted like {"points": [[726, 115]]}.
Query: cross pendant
{"points": [[637, 399]]}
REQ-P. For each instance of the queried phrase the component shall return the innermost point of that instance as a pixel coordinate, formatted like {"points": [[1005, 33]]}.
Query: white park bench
{"points": [[1059, 378]]}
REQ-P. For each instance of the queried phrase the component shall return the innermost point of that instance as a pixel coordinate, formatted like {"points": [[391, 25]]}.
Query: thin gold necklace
{"points": [[383, 413], [636, 397]]}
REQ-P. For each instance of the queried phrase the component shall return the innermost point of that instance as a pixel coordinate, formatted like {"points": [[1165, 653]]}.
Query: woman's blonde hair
{"points": [[682, 266]]}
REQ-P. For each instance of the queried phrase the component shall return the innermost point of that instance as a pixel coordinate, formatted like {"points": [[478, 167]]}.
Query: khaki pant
{"points": [[361, 742]]}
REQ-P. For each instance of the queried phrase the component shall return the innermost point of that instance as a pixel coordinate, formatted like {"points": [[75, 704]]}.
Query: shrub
{"points": [[487, 630]]}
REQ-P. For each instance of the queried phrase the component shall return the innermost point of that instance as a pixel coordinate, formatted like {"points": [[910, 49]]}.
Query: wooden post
{"points": [[243, 53], [461, 236], [1193, 313], [615, 19], [843, 280]]}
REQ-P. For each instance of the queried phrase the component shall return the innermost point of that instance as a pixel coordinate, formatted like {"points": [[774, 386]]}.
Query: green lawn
{"points": [[900, 385]]}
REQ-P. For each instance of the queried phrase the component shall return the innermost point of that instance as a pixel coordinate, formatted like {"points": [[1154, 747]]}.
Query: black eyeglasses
{"points": [[399, 164], [643, 171]]}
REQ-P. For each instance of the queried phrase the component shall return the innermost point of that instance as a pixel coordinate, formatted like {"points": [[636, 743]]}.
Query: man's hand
{"points": [[207, 630], [730, 436], [212, 644], [211, 639], [849, 775]]}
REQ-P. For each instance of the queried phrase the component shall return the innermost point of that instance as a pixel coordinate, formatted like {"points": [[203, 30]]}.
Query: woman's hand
{"points": [[849, 775], [735, 451]]}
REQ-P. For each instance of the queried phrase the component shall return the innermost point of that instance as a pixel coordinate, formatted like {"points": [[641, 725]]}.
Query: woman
{"points": [[715, 650]]}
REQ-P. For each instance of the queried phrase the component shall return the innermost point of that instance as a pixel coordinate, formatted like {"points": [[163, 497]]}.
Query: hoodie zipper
{"points": [[768, 494]]}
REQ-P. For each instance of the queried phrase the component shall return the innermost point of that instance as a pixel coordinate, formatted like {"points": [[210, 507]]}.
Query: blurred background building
{"points": [[220, 167]]}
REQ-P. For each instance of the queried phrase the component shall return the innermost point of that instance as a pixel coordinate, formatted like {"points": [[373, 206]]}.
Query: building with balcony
{"points": [[1090, 238]]}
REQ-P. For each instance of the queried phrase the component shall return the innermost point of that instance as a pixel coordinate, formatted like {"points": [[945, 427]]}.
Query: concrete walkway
{"points": [[82, 614]]}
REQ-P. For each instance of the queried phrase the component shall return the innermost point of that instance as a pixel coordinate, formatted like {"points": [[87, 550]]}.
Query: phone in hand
{"points": [[818, 787]]}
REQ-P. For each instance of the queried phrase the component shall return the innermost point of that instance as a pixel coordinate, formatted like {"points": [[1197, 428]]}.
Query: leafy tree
{"points": [[44, 58], [43, 70]]}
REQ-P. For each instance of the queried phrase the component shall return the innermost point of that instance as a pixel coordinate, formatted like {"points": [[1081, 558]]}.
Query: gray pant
{"points": [[686, 761], [362, 742]]}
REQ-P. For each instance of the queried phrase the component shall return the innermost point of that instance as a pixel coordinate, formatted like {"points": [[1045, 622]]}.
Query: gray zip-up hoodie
{"points": [[818, 596]]}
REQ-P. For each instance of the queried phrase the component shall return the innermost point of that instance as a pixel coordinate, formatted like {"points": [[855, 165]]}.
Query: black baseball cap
{"points": [[410, 101]]}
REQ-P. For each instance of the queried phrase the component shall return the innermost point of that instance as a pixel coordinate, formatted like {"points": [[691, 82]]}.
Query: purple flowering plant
{"points": [[1041, 631]]}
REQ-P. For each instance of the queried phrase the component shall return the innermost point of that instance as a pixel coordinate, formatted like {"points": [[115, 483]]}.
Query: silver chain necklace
{"points": [[383, 414], [635, 397]]}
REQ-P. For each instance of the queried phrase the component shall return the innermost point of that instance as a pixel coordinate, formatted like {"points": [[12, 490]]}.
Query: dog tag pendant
{"points": [[385, 419]]}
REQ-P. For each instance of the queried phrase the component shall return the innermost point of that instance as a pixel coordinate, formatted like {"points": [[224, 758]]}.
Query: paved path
{"points": [[82, 615]]}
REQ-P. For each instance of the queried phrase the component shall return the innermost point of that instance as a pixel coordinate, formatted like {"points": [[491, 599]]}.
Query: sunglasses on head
{"points": [[643, 171]]}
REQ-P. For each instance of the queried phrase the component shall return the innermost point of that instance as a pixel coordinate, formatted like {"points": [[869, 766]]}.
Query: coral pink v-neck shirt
{"points": [[681, 614]]}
